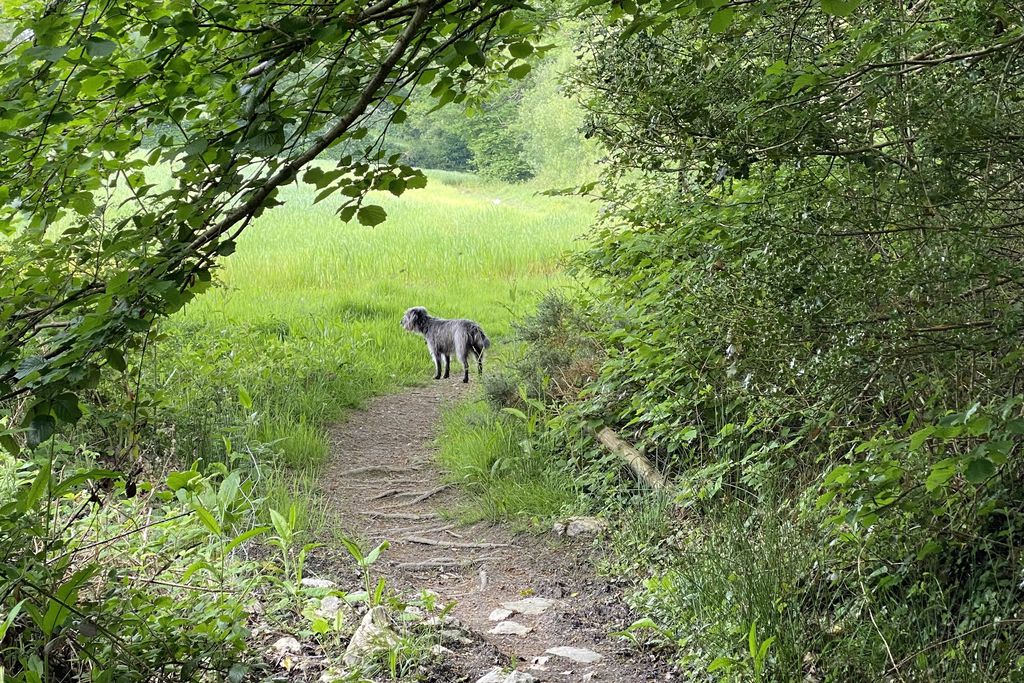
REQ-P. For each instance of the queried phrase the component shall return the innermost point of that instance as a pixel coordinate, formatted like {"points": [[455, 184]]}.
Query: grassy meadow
{"points": [[303, 323]]}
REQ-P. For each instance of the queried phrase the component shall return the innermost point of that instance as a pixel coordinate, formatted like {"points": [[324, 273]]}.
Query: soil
{"points": [[382, 483]]}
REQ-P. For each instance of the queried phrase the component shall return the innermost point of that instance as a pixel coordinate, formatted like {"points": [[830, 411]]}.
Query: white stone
{"points": [[286, 645], [329, 607], [498, 675], [539, 663], [500, 614], [495, 675], [335, 676], [317, 583], [373, 633], [576, 654], [520, 677], [584, 526], [529, 605], [510, 628]]}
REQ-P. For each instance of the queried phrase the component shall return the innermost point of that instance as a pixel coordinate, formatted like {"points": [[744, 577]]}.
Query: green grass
{"points": [[508, 477], [303, 324]]}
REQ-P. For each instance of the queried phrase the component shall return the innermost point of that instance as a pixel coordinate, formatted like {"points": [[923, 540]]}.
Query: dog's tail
{"points": [[478, 338]]}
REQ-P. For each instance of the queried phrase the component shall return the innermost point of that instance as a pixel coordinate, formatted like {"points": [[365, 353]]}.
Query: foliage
{"points": [[504, 465], [530, 128], [105, 586], [808, 281], [251, 94]]}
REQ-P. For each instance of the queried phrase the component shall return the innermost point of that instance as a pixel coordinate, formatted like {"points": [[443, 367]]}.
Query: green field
{"points": [[304, 321]]}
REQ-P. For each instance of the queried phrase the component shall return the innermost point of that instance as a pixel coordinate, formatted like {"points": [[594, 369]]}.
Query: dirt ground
{"points": [[382, 483]]}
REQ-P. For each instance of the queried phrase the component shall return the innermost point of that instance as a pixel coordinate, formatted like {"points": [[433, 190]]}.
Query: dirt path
{"points": [[382, 484]]}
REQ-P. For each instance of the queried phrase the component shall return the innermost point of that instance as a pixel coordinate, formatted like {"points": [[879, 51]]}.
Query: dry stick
{"points": [[636, 461], [439, 562], [449, 544]]}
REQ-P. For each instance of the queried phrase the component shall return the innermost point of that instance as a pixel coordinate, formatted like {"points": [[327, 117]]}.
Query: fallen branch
{"points": [[636, 461]]}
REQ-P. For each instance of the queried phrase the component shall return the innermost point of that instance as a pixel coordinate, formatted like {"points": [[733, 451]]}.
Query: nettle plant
{"points": [[234, 100]]}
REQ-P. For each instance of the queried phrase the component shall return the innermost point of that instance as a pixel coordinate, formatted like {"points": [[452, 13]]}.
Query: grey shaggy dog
{"points": [[445, 337]]}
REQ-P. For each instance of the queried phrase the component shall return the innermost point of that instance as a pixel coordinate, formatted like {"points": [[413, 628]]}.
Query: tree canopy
{"points": [[237, 99]]}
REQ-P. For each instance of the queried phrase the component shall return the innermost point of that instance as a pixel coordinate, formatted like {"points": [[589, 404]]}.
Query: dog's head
{"points": [[415, 319]]}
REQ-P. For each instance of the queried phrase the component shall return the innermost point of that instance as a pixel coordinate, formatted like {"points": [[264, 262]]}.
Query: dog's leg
{"points": [[447, 364], [437, 363], [462, 351]]}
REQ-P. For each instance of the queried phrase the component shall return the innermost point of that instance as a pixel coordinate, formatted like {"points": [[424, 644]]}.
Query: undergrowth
{"points": [[748, 569], [508, 476]]}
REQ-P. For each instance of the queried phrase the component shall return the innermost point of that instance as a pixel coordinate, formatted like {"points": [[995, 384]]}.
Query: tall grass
{"points": [[509, 476], [303, 323]]}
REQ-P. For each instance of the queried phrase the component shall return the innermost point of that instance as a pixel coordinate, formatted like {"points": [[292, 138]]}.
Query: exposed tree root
{"points": [[423, 496], [445, 562], [377, 469], [452, 544]]}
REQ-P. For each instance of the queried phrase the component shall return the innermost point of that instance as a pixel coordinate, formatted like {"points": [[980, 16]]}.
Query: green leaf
{"points": [[29, 497], [115, 359], [40, 429], [93, 84], [839, 8], [207, 518], [9, 443], [58, 606], [372, 556], [721, 663], [520, 50], [66, 408], [928, 549], [722, 20], [281, 525], [519, 72], [9, 619], [244, 398], [245, 536], [979, 470], [182, 480], [99, 48], [803, 81], [515, 412], [371, 215], [940, 474], [918, 438], [74, 480]]}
